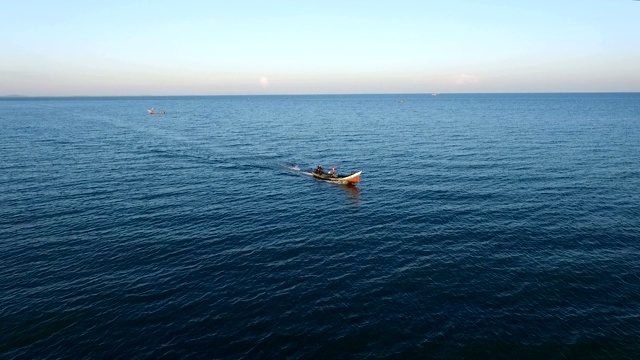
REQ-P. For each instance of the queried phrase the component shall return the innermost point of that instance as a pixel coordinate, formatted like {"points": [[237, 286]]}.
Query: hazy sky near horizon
{"points": [[188, 47]]}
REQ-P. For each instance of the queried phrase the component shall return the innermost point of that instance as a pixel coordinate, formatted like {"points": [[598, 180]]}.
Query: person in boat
{"points": [[332, 172], [319, 170]]}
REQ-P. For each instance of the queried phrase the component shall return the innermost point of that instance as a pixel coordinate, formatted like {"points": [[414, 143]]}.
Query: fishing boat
{"points": [[340, 179], [153, 112]]}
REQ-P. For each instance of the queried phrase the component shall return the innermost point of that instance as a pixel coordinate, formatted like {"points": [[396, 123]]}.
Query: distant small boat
{"points": [[340, 179], [434, 94], [153, 112]]}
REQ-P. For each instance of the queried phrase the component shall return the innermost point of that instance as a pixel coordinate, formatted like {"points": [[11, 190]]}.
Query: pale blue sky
{"points": [[62, 48]]}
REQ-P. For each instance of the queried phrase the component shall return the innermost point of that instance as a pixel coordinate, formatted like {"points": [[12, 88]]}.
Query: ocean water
{"points": [[501, 226]]}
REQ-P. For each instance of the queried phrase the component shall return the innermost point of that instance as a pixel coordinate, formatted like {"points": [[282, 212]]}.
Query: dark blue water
{"points": [[485, 226]]}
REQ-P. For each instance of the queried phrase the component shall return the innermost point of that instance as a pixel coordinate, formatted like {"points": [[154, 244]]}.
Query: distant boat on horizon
{"points": [[153, 112]]}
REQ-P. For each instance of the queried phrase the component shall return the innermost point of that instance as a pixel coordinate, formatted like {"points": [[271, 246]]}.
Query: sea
{"points": [[485, 226]]}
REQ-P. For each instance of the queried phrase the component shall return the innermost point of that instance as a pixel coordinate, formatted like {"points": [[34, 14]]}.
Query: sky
{"points": [[188, 47]]}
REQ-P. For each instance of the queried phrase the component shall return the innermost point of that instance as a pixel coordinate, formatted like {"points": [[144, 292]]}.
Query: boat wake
{"points": [[291, 167], [295, 169]]}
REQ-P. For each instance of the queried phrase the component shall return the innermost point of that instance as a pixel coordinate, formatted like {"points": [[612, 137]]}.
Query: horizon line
{"points": [[18, 96]]}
